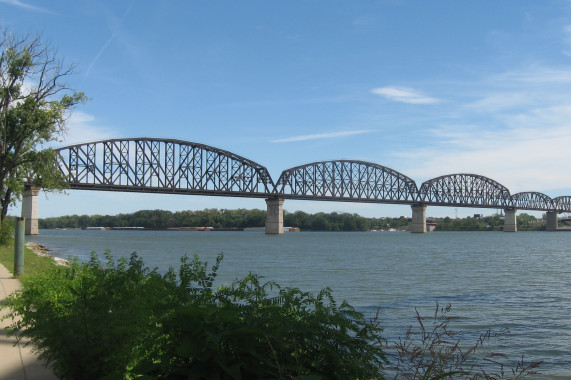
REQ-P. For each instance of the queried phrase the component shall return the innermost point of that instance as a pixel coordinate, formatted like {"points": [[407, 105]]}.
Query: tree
{"points": [[34, 105]]}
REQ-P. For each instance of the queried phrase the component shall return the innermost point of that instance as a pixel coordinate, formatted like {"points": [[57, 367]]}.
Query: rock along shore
{"points": [[42, 250]]}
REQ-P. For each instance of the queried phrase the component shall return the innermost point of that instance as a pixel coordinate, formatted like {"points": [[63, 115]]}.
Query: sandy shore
{"points": [[42, 250]]}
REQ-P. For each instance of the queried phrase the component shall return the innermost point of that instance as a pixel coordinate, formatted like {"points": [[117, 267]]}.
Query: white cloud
{"points": [[81, 128], [20, 4], [535, 75], [523, 158], [320, 136], [513, 127], [501, 101], [404, 95]]}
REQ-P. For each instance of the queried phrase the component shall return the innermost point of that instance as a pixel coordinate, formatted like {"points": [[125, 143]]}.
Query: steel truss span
{"points": [[162, 166], [532, 201], [356, 181], [562, 204], [182, 167], [465, 190]]}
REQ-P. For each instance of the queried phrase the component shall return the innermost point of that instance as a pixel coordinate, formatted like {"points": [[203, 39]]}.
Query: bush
{"points": [[89, 322], [434, 351], [6, 231], [123, 320]]}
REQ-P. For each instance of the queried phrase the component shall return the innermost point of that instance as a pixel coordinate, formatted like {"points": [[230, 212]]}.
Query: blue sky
{"points": [[426, 88]]}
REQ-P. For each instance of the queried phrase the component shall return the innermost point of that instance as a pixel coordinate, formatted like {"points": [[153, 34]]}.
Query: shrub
{"points": [[243, 331], [88, 321], [124, 320], [6, 231], [434, 351]]}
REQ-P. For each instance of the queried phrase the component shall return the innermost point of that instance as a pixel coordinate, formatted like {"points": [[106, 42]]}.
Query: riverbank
{"points": [[43, 251], [36, 258]]}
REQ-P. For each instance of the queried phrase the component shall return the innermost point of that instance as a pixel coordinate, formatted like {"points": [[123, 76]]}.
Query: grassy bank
{"points": [[33, 264]]}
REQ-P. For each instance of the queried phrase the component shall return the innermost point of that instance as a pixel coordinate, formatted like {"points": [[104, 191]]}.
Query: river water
{"points": [[493, 280]]}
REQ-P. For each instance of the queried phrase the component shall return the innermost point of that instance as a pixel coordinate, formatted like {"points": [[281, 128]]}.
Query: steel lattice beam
{"points": [[162, 166], [465, 190], [562, 204], [532, 201], [346, 181], [181, 167]]}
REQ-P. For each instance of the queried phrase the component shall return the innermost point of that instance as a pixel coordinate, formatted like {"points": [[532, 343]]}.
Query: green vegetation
{"points": [[243, 218], [488, 223], [162, 219], [223, 218], [326, 222], [525, 222], [123, 321], [432, 350], [34, 105], [216, 218], [6, 231], [33, 264]]}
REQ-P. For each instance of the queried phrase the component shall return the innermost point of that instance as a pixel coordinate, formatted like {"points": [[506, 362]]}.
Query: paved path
{"points": [[16, 361]]}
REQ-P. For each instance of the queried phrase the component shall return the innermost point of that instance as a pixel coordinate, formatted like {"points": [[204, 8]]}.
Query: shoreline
{"points": [[42, 250]]}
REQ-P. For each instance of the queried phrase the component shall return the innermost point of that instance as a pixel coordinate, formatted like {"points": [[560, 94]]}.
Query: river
{"points": [[493, 280]]}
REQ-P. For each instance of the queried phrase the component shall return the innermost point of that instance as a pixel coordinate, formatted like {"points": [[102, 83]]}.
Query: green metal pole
{"points": [[19, 247]]}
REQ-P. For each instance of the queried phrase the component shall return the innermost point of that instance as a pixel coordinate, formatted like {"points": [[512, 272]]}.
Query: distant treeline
{"points": [[223, 218], [162, 219], [488, 223], [242, 218]]}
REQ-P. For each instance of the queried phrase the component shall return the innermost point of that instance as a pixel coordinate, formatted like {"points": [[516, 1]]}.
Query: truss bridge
{"points": [[182, 167]]}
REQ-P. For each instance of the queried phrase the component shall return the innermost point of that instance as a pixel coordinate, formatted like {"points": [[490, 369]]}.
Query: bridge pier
{"points": [[274, 216], [510, 221], [551, 222], [30, 209], [418, 224]]}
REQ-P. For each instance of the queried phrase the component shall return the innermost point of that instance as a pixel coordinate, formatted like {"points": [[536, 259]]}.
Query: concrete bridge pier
{"points": [[418, 224], [30, 209], [274, 216], [510, 221], [551, 222]]}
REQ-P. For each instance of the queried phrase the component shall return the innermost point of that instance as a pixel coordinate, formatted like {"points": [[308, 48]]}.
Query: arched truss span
{"points": [[562, 204], [182, 167], [161, 165], [466, 190], [346, 181], [532, 201]]}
